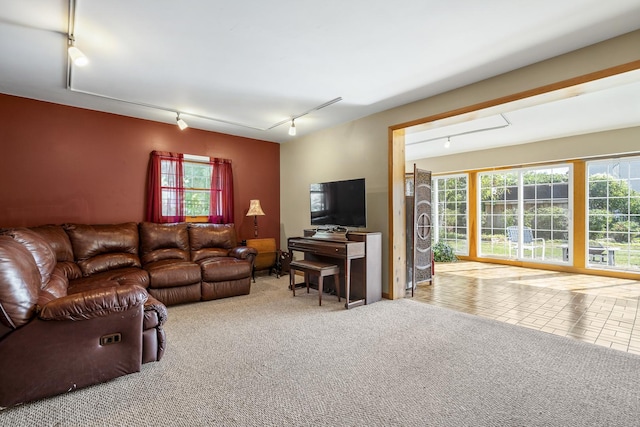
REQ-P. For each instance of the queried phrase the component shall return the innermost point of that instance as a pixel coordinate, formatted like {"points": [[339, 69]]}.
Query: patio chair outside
{"points": [[529, 242]]}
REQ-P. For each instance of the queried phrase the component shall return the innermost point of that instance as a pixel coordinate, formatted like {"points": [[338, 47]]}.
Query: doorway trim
{"points": [[396, 171]]}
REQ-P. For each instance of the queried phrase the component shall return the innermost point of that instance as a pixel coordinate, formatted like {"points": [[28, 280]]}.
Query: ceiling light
{"points": [[447, 143], [181, 123], [77, 57], [483, 124]]}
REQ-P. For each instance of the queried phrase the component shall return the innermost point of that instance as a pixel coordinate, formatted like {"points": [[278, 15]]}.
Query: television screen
{"points": [[339, 203]]}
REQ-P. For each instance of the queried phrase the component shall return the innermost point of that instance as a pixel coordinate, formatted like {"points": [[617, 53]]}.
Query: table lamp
{"points": [[254, 210]]}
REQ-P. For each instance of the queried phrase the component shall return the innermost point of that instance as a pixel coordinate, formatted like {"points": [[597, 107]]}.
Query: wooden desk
{"points": [[359, 260]]}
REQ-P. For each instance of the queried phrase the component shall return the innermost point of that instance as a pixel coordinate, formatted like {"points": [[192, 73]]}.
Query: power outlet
{"points": [[110, 339]]}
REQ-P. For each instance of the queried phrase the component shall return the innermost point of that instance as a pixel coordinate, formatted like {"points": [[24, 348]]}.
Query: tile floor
{"points": [[599, 310]]}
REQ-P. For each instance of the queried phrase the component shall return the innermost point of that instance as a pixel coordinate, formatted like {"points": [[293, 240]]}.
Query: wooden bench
{"points": [[310, 268]]}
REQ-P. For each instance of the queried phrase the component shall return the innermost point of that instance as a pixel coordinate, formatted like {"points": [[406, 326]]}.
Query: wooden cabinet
{"points": [[266, 258]]}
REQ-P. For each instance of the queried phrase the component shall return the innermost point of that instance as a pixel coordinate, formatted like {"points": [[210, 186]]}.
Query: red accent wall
{"points": [[63, 164]]}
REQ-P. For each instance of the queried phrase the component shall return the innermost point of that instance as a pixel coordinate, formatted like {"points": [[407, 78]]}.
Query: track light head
{"points": [[447, 143], [77, 57], [181, 123], [292, 128]]}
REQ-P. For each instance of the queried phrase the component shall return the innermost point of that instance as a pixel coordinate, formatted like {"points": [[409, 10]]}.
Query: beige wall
{"points": [[355, 150], [360, 148], [622, 141]]}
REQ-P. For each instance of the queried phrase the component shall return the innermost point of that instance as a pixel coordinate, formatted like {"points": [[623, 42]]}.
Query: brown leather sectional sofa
{"points": [[82, 304]]}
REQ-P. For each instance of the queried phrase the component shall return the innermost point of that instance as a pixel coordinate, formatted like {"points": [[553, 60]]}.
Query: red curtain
{"points": [[165, 176], [221, 208]]}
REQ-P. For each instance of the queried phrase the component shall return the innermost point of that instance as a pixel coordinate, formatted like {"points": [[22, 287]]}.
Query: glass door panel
{"points": [[524, 214]]}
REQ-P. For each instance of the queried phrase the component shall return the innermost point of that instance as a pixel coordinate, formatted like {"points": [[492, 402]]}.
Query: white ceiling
{"points": [[606, 104], [252, 64]]}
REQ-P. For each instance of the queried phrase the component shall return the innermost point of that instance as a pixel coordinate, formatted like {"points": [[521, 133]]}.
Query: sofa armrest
{"points": [[94, 303], [44, 358], [153, 305], [243, 252], [153, 335]]}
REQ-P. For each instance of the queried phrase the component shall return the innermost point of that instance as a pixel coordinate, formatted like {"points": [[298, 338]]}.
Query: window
{"points": [[613, 225], [524, 213], [450, 205], [196, 179], [182, 185]]}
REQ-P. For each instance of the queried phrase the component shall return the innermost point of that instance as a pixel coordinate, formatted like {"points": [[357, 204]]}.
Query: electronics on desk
{"points": [[331, 233], [339, 204]]}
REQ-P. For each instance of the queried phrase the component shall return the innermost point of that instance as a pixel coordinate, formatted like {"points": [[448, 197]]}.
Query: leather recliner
{"points": [[226, 267], [53, 341]]}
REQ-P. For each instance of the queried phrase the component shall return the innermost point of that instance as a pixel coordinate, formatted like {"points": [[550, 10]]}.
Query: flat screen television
{"points": [[339, 203]]}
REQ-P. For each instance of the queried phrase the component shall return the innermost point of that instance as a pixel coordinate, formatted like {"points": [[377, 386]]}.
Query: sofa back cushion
{"points": [[57, 239], [19, 283], [163, 241], [39, 249], [208, 240], [104, 247], [56, 287]]}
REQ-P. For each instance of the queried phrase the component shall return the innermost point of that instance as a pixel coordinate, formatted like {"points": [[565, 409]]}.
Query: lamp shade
{"points": [[255, 208]]}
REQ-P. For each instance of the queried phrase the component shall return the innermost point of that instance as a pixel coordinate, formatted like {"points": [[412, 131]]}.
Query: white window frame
{"points": [[521, 214], [435, 209], [612, 246], [191, 158]]}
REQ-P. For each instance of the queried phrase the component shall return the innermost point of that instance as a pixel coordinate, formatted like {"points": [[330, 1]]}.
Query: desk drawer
{"points": [[321, 249], [337, 250]]}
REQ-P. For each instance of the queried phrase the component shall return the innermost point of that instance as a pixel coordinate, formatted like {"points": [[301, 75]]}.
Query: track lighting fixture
{"points": [[76, 55], [78, 58], [483, 124], [181, 123]]}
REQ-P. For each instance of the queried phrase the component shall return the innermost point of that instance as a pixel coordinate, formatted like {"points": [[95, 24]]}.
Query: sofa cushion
{"points": [[108, 262], [19, 283], [70, 269], [95, 281], [58, 239], [163, 241], [222, 269], [204, 237], [172, 272], [40, 250], [104, 247], [206, 253], [56, 287]]}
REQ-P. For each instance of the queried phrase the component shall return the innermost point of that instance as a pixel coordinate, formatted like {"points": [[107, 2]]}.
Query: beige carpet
{"points": [[268, 359]]}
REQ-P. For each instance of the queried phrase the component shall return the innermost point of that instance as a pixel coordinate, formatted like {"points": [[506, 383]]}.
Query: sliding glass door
{"points": [[613, 226], [525, 213]]}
